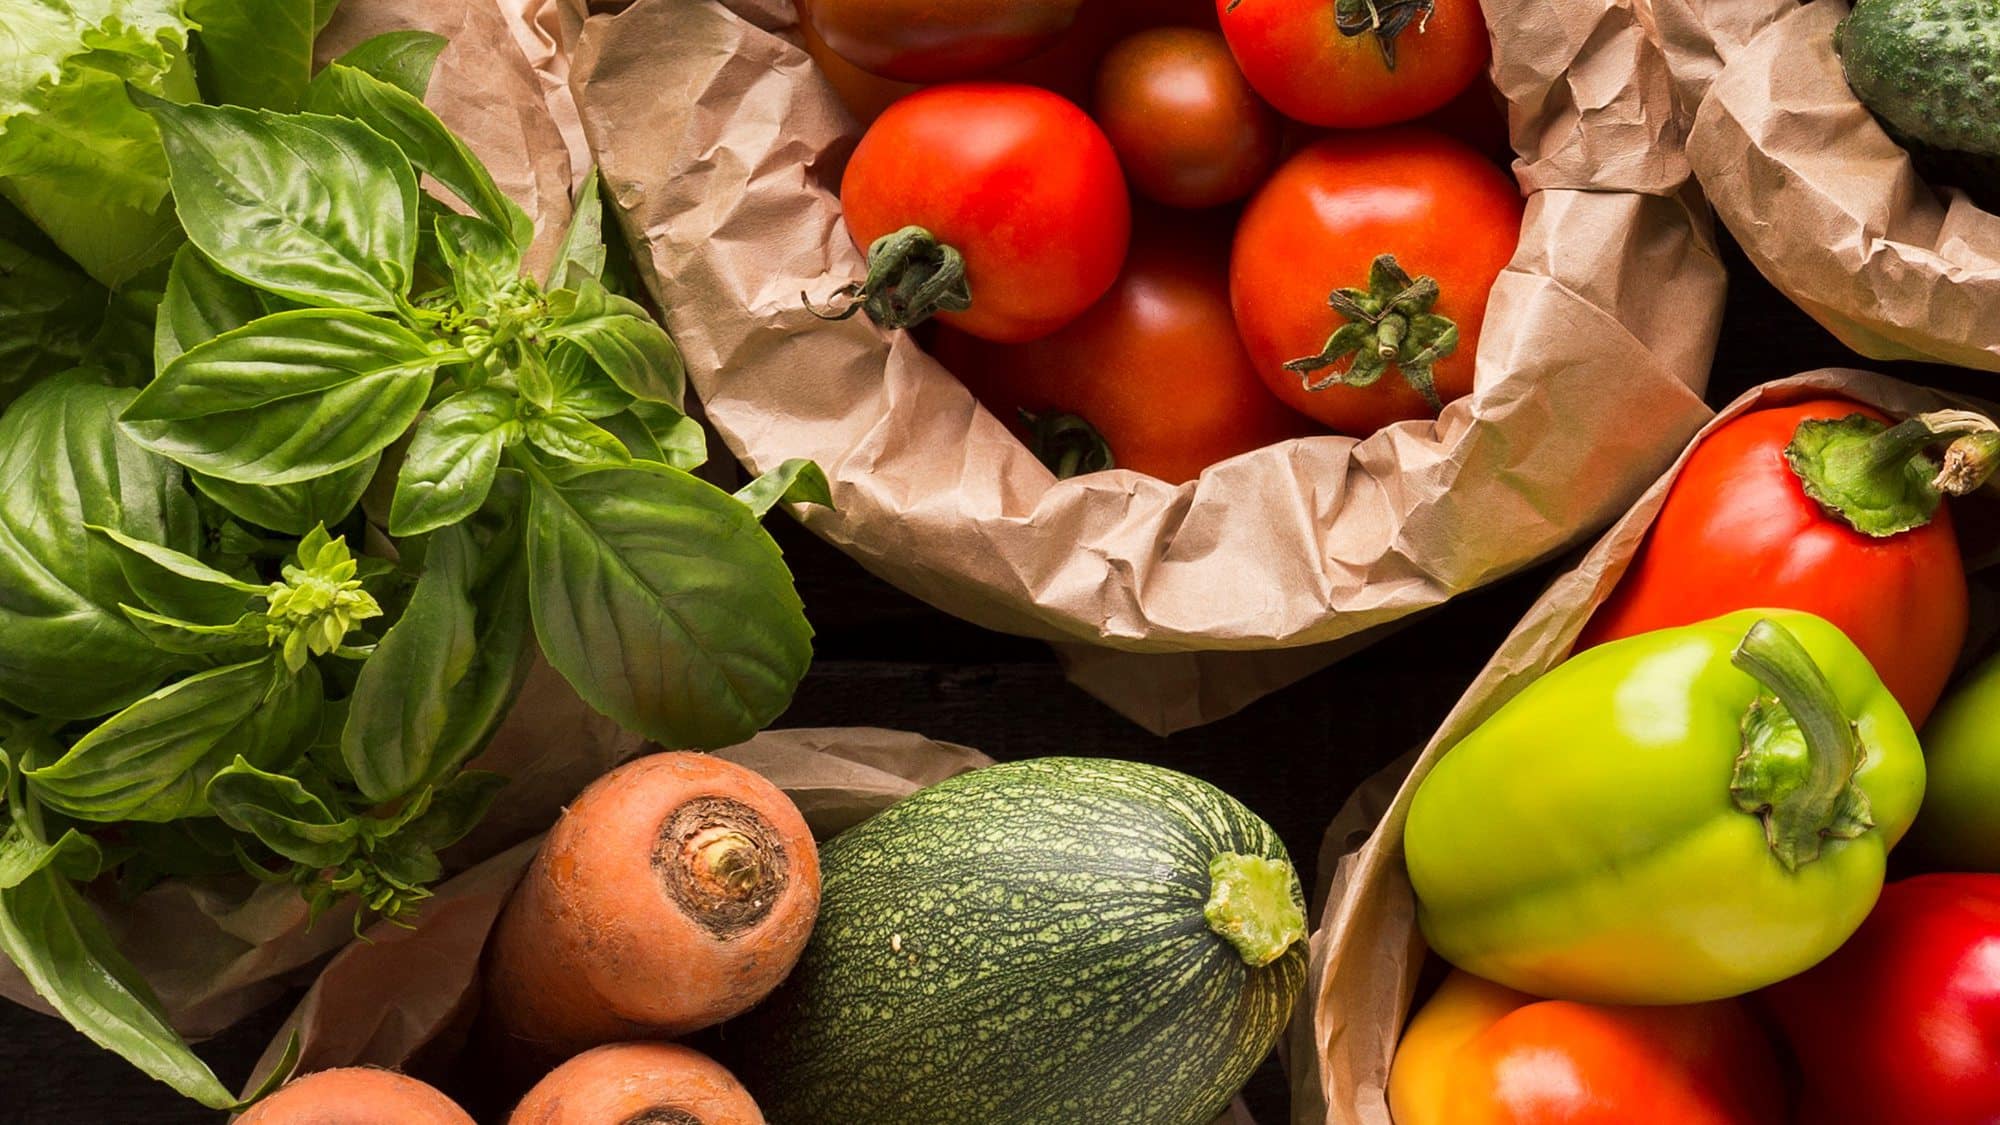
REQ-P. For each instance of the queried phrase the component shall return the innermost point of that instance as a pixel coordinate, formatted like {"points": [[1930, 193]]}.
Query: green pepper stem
{"points": [[1254, 904], [1879, 480], [1804, 793]]}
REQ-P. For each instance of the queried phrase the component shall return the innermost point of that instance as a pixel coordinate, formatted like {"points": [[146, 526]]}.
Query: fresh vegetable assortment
{"points": [[302, 468]]}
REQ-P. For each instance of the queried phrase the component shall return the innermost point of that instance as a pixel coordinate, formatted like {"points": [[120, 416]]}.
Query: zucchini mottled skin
{"points": [[1025, 945], [1930, 69]]}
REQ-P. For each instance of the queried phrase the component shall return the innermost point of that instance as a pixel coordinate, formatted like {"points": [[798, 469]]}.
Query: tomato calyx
{"points": [[911, 278], [1800, 751], [1068, 444], [1879, 479], [1389, 322], [1384, 19]]}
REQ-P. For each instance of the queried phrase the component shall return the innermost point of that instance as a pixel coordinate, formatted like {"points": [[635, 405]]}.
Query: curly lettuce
{"points": [[76, 156]]}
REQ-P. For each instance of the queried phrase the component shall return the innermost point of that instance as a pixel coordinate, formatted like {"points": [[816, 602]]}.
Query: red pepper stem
{"points": [[1889, 452], [1800, 750]]}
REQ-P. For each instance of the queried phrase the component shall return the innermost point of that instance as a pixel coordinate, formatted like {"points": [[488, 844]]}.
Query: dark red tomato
{"points": [[865, 95], [1155, 366], [1017, 180], [1356, 65], [937, 40], [1478, 116], [1188, 129], [1322, 222], [1902, 1024]]}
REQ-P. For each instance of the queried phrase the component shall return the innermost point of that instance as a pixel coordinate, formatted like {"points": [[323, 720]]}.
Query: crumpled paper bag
{"points": [[722, 147], [217, 950], [406, 997], [1822, 200], [1367, 952]]}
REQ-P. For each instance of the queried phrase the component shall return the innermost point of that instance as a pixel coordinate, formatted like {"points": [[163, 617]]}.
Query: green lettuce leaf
{"points": [[75, 154]]}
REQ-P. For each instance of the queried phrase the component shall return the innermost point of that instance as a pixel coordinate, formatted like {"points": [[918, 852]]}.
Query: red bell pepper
{"points": [[1903, 1023], [1824, 507]]}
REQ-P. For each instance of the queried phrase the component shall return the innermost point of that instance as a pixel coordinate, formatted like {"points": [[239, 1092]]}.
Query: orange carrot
{"points": [[638, 1084], [676, 892], [355, 1095]]}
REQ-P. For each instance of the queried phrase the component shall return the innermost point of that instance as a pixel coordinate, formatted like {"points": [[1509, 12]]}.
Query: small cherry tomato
{"points": [[937, 40], [1356, 63], [1407, 230], [1000, 206], [1188, 129], [1155, 367]]}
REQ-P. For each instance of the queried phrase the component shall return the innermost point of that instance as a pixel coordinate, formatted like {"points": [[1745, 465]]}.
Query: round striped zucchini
{"points": [[1051, 942]]}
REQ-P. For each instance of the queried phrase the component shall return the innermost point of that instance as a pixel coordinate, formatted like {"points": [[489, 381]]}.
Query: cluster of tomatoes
{"points": [[1297, 258]]}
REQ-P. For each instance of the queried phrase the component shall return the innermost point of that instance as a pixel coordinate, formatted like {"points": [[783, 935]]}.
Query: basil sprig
{"points": [[264, 609]]}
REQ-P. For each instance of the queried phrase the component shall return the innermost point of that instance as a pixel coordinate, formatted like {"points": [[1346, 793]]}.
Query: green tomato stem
{"points": [[911, 278], [1389, 323], [1800, 751], [1253, 904], [1068, 444]]}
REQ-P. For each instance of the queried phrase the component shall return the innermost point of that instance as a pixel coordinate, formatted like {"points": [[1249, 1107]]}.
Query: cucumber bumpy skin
{"points": [[1930, 69]]}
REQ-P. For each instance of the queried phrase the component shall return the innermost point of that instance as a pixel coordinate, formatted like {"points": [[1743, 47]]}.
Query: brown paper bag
{"points": [[216, 950], [722, 146], [406, 996], [1827, 206], [1367, 953]]}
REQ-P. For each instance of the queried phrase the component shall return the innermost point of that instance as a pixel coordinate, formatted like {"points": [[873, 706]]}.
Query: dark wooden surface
{"points": [[885, 659]]}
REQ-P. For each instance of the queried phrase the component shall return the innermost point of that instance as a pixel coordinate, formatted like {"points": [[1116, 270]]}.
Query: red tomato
{"points": [[1480, 1054], [865, 95], [1902, 1024], [1155, 366], [1297, 54], [1438, 207], [937, 40], [1738, 532], [1187, 127], [1017, 180]]}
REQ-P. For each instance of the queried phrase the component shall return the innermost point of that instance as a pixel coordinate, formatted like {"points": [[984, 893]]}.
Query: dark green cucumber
{"points": [[1055, 942], [1930, 69]]}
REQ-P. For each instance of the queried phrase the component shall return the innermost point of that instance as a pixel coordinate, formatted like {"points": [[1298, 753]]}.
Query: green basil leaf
{"points": [[152, 761], [255, 53], [576, 439], [61, 946], [293, 508], [68, 652], [664, 604], [581, 255], [482, 697], [797, 481], [318, 209], [200, 303], [402, 117], [618, 335], [22, 855], [581, 387], [176, 583], [400, 701], [481, 259], [293, 396], [194, 638], [451, 461], [49, 310], [684, 444], [403, 59], [282, 815], [456, 809]]}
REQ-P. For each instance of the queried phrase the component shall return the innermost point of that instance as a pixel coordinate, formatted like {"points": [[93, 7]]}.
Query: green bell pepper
{"points": [[1679, 816], [1959, 827]]}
